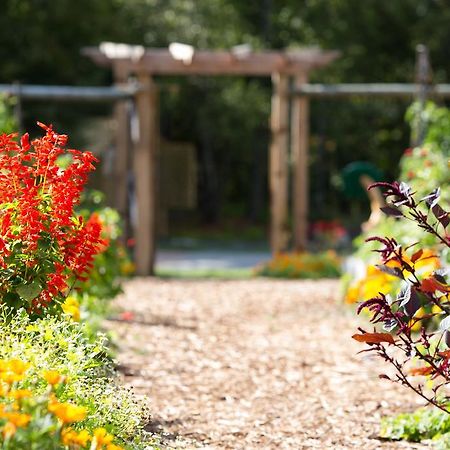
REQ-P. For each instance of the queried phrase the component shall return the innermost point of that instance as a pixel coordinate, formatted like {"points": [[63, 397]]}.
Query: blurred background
{"points": [[221, 124]]}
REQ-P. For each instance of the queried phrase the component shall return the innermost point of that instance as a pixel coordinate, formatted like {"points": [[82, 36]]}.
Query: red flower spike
{"points": [[37, 221]]}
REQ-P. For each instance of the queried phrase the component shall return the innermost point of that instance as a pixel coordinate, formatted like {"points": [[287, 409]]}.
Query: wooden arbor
{"points": [[143, 64]]}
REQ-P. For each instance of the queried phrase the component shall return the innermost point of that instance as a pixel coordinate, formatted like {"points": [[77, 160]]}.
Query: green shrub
{"points": [[423, 168]]}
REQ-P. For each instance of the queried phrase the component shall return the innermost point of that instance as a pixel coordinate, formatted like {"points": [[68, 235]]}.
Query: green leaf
{"points": [[29, 291]]}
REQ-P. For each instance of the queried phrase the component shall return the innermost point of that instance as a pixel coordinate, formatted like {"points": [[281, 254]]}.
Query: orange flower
{"points": [[18, 394], [18, 419], [9, 429], [66, 412], [52, 377]]}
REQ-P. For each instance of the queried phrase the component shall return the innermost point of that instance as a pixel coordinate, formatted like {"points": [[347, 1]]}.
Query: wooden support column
{"points": [[278, 163], [300, 185], [123, 150], [144, 160]]}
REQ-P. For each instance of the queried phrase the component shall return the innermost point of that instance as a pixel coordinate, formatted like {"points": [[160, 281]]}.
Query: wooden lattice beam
{"points": [[157, 61]]}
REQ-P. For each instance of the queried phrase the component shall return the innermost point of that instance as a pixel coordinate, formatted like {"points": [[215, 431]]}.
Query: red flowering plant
{"points": [[44, 247], [421, 360]]}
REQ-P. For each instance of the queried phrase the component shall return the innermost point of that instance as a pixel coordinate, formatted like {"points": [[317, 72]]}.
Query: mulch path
{"points": [[253, 364]]}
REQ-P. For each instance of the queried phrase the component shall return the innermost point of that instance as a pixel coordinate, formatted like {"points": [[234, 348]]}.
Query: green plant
{"points": [[425, 423], [420, 299], [34, 421], [7, 121], [50, 343]]}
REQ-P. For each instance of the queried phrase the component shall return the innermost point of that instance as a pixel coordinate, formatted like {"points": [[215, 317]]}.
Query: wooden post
{"points": [[278, 163], [144, 160], [123, 150], [299, 142]]}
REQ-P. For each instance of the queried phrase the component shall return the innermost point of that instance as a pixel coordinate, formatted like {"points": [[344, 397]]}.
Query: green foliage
{"points": [[425, 423], [54, 344], [7, 121], [423, 168]]}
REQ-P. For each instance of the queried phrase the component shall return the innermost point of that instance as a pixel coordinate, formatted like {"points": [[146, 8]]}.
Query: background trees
{"points": [[228, 118]]}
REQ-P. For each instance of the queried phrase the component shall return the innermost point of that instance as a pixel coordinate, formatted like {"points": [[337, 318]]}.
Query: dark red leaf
{"points": [[391, 211]]}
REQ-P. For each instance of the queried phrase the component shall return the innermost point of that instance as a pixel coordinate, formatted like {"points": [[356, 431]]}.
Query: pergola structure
{"points": [[285, 68]]}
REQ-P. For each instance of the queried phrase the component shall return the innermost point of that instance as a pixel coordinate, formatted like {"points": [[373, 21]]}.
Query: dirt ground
{"points": [[254, 364]]}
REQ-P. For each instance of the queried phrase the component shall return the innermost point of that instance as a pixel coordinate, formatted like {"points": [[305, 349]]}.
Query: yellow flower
{"points": [[127, 268], [102, 437], [114, 447], [70, 437], [72, 307], [18, 367], [11, 377], [20, 393], [3, 365], [415, 324], [82, 438], [9, 429], [13, 370], [352, 295], [66, 412], [52, 377]]}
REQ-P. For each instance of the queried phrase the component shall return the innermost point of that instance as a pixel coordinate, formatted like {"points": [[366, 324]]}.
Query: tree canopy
{"points": [[228, 118]]}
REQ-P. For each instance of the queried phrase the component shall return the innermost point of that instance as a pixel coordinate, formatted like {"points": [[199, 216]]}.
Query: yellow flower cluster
{"points": [[297, 264], [72, 307], [376, 281], [12, 371], [15, 413], [99, 440]]}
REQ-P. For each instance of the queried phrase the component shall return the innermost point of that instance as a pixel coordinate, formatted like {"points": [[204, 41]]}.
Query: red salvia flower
{"points": [[44, 246]]}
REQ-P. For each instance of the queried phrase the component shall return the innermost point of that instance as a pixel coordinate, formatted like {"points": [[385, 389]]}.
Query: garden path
{"points": [[253, 364]]}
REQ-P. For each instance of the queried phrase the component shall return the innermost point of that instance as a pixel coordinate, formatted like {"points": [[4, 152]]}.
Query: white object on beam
{"points": [[182, 52], [241, 51], [122, 51]]}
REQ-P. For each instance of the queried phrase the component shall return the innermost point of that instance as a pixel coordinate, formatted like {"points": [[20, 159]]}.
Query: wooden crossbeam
{"points": [[157, 61]]}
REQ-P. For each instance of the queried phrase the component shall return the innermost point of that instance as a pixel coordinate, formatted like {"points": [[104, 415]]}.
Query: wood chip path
{"points": [[253, 364]]}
